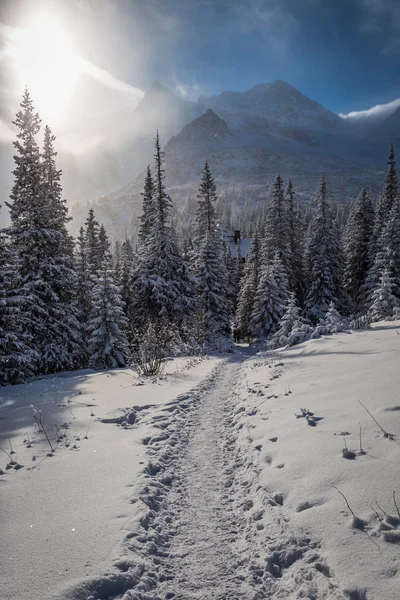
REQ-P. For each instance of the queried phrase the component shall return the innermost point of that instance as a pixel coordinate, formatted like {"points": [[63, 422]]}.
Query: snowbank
{"points": [[63, 516], [298, 461]]}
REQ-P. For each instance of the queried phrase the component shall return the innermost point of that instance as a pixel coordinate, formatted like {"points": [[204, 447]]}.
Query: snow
{"points": [[222, 487], [63, 515], [301, 464]]}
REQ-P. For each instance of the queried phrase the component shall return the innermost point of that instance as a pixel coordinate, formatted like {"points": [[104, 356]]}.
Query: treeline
{"points": [[67, 304], [306, 277]]}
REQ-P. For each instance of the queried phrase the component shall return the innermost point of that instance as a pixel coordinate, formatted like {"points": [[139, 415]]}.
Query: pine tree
{"points": [[17, 359], [206, 215], [212, 265], [333, 321], [85, 280], [248, 288], [276, 226], [238, 271], [108, 345], [291, 318], [212, 287], [358, 238], [390, 191], [163, 288], [92, 241], [52, 191], [384, 302], [228, 267], [43, 247], [296, 232], [104, 245], [125, 276], [324, 255], [117, 260], [26, 193], [270, 301], [148, 210], [388, 256]]}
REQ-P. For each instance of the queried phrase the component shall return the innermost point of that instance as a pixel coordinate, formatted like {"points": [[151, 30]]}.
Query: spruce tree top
{"points": [[206, 215], [147, 216], [390, 184], [162, 199], [27, 173]]}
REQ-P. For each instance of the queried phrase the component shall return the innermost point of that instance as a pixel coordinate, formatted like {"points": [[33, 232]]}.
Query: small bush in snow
{"points": [[359, 323], [148, 361], [333, 321], [384, 302], [300, 333], [292, 329]]}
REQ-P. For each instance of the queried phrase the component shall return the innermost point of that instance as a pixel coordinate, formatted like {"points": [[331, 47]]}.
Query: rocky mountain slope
{"points": [[248, 138]]}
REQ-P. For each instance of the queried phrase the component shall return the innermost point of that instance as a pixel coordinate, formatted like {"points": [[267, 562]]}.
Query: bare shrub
{"points": [[148, 360]]}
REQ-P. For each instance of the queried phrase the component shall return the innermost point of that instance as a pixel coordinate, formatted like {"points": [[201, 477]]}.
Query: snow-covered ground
{"points": [[62, 516], [218, 488]]}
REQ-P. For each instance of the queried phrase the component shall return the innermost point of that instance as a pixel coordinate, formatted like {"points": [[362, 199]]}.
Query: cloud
{"points": [[188, 91], [380, 111], [272, 19], [108, 79], [382, 18]]}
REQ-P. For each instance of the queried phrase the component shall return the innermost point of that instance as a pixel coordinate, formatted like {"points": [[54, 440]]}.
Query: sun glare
{"points": [[45, 62]]}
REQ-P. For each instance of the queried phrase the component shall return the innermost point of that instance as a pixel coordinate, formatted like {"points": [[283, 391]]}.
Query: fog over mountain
{"points": [[247, 138]]}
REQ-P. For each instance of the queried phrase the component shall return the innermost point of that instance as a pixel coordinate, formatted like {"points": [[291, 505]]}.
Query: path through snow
{"points": [[203, 536], [202, 561]]}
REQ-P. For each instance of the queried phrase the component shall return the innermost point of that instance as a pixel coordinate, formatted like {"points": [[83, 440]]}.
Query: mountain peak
{"points": [[158, 88], [210, 120], [207, 127]]}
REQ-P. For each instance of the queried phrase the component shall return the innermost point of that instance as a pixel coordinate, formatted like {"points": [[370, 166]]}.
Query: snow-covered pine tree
{"points": [[388, 256], [238, 270], [92, 241], [324, 255], [163, 288], [390, 191], [296, 235], [206, 215], [290, 319], [333, 320], [108, 344], [276, 225], [212, 286], [148, 210], [358, 236], [125, 277], [384, 302], [248, 288], [43, 247], [17, 359], [212, 264], [229, 270], [61, 274], [271, 299], [85, 280], [117, 260], [104, 245]]}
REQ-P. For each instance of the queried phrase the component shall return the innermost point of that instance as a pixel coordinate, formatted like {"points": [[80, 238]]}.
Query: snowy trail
{"points": [[202, 559], [207, 529], [212, 532]]}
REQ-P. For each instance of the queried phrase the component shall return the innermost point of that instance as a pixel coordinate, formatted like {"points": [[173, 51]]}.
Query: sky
{"points": [[345, 54], [342, 53]]}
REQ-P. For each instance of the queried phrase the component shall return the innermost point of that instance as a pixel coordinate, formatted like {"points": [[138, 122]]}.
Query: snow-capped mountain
{"points": [[273, 108], [248, 138]]}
